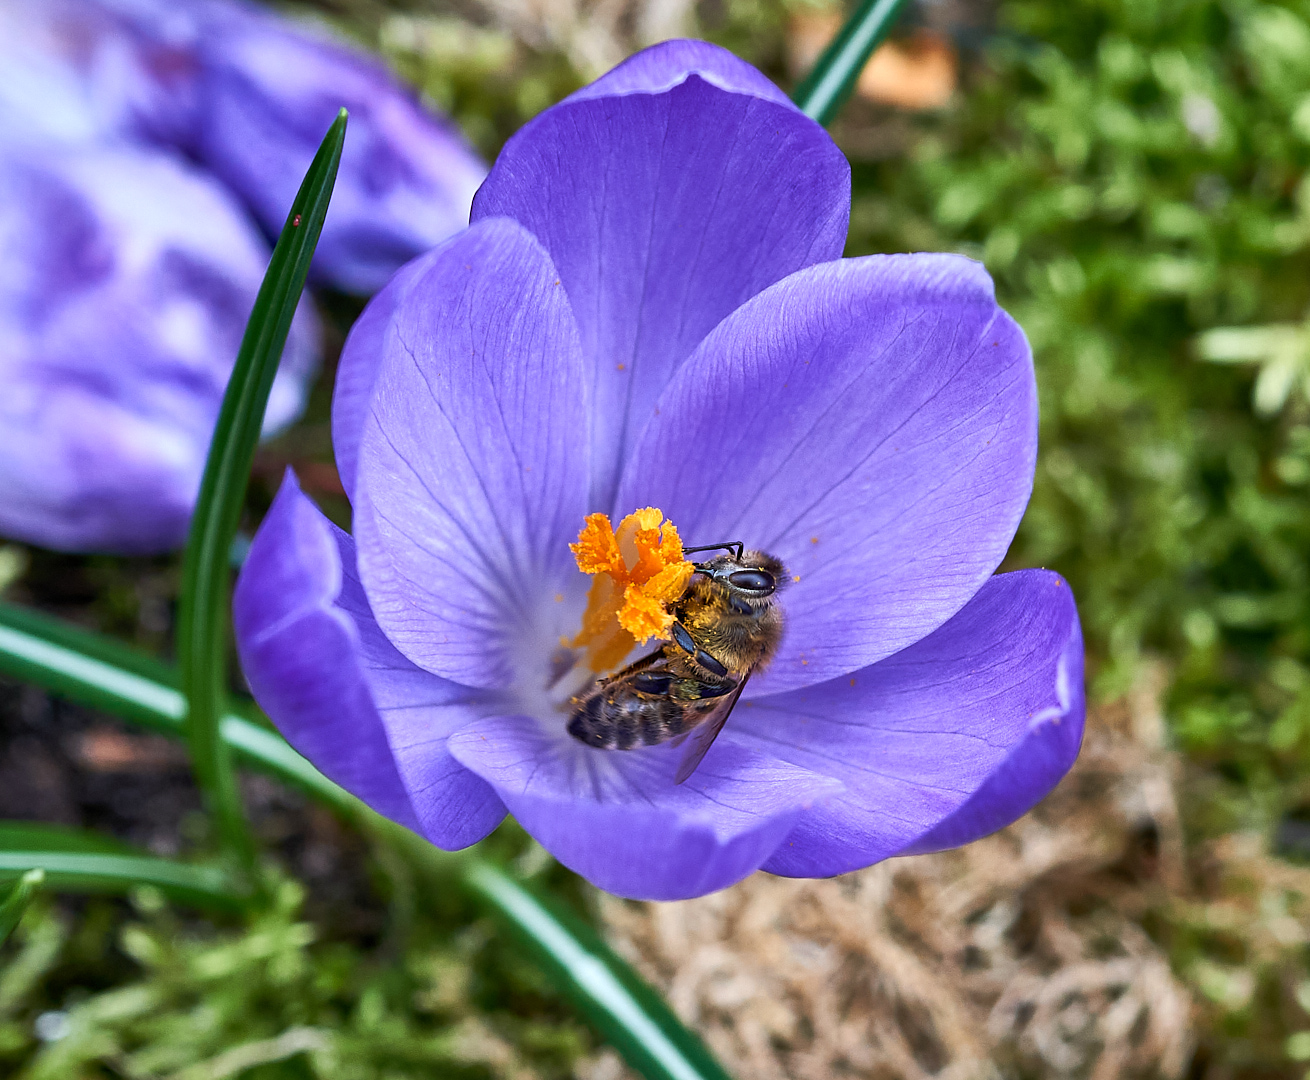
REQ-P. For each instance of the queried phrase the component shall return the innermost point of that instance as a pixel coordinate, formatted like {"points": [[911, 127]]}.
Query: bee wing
{"points": [[656, 661], [702, 736]]}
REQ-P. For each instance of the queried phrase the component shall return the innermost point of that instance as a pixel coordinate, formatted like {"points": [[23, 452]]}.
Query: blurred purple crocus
{"points": [[651, 309], [143, 146], [266, 95], [125, 281], [248, 96]]}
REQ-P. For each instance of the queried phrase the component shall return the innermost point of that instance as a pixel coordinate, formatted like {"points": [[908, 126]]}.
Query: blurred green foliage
{"points": [[1134, 175], [488, 82], [1132, 172], [144, 995]]}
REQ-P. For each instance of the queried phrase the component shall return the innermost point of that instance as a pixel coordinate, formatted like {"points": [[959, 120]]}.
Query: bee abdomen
{"points": [[618, 721]]}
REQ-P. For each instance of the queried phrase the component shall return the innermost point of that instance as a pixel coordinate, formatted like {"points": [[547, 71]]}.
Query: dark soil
{"points": [[63, 764]]}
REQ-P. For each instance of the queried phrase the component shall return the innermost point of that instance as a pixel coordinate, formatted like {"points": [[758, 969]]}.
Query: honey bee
{"points": [[726, 626]]}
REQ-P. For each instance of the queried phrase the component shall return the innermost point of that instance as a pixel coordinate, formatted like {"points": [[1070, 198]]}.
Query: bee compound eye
{"points": [[756, 581]]}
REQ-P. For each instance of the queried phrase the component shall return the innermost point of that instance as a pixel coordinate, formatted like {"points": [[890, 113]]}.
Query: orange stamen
{"points": [[640, 570]]}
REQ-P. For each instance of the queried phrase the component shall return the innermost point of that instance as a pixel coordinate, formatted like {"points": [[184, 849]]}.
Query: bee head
{"points": [[751, 575]]}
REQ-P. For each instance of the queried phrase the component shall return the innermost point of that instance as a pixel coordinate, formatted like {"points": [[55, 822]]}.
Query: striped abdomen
{"points": [[615, 717]]}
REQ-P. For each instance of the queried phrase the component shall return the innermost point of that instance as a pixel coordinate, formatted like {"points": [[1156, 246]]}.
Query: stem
{"points": [[203, 616], [825, 89]]}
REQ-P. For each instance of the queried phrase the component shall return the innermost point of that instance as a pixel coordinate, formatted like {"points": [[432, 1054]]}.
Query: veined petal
{"points": [[329, 679], [667, 194], [361, 357], [473, 463], [946, 741], [873, 423], [618, 819]]}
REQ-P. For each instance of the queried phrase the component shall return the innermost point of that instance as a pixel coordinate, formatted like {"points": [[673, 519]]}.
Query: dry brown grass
{"points": [[1022, 954]]}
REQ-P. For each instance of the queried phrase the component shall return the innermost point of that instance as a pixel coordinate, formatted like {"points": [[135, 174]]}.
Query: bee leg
{"points": [[647, 682], [710, 664], [687, 643], [682, 636], [699, 689]]}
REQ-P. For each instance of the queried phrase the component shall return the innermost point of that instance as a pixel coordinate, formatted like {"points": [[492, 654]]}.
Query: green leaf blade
{"points": [[203, 615], [16, 903], [89, 669], [102, 674], [830, 82], [635, 1020], [77, 860]]}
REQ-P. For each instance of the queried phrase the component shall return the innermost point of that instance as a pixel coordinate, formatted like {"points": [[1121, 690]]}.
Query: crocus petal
{"points": [[667, 194], [267, 93], [940, 744], [301, 655], [248, 95], [473, 462], [670, 63], [873, 423], [618, 819], [98, 70], [340, 693], [128, 278], [361, 357]]}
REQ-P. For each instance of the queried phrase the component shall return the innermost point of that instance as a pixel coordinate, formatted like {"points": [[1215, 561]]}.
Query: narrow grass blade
{"points": [[825, 89], [203, 613], [75, 860], [11, 911], [623, 1009], [632, 1017], [103, 674], [89, 669]]}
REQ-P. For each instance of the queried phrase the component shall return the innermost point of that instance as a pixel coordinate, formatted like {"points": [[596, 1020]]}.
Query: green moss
{"points": [[144, 993]]}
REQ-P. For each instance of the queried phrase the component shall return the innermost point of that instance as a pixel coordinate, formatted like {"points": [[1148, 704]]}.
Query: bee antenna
{"points": [[735, 546]]}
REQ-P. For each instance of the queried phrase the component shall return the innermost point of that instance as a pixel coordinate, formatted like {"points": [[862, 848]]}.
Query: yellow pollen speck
{"points": [[559, 598], [639, 571], [796, 577], [622, 367], [814, 539]]}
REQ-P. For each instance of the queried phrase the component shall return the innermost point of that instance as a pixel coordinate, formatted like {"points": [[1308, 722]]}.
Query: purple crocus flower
{"points": [[651, 309], [248, 96], [267, 93], [129, 273], [125, 282]]}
